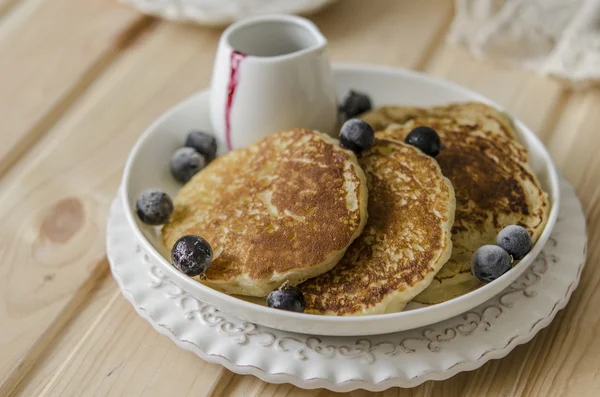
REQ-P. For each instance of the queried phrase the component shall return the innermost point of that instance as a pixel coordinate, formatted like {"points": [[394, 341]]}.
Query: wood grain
{"points": [[109, 360], [526, 95], [53, 224], [53, 51], [6, 6], [385, 32], [59, 349], [84, 98]]}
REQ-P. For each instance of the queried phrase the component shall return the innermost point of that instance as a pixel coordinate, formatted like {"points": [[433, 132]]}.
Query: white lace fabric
{"points": [[560, 38]]}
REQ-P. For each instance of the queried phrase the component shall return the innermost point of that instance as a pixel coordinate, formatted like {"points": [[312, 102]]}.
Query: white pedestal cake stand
{"points": [[404, 359]]}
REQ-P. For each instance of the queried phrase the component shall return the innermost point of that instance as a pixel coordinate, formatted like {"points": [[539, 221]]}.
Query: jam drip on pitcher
{"points": [[234, 77]]}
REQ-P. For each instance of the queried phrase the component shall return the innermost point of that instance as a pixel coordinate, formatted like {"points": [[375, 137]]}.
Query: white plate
{"points": [[405, 359], [148, 167]]}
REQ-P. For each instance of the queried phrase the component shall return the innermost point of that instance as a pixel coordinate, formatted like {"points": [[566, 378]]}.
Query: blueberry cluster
{"points": [[191, 255], [355, 135], [358, 136], [199, 150], [491, 261]]}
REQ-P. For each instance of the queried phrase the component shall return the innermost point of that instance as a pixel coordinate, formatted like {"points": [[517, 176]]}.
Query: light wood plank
{"points": [[52, 233], [52, 51], [60, 349], [30, 344], [247, 385], [6, 6], [526, 95], [385, 32], [100, 362]]}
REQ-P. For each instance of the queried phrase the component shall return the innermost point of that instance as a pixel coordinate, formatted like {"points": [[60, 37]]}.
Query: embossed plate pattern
{"points": [[404, 359], [145, 168]]}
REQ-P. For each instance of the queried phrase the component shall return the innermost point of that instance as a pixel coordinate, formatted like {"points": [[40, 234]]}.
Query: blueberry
{"points": [[191, 255], [288, 298], [154, 207], [357, 135], [204, 144], [490, 262], [426, 139], [515, 240], [355, 104], [185, 163]]}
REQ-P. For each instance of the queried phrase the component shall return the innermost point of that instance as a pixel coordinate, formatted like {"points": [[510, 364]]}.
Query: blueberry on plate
{"points": [[154, 207], [185, 163], [355, 103], [203, 143], [357, 135], [288, 298], [191, 255], [490, 262], [426, 139], [515, 240]]}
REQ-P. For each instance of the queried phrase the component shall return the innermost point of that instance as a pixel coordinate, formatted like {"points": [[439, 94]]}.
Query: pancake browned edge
{"points": [[283, 209], [406, 240], [495, 186], [469, 114]]}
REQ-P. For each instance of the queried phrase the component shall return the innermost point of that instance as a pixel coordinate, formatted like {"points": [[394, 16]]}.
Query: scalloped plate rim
{"points": [[419, 317], [353, 384]]}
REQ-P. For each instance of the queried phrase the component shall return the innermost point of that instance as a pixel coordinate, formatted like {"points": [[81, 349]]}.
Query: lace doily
{"points": [[560, 38]]}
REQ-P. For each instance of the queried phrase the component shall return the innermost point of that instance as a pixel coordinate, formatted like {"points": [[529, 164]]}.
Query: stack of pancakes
{"points": [[363, 235], [488, 167]]}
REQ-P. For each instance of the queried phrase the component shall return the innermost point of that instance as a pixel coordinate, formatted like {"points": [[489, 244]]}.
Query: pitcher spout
{"points": [[274, 37]]}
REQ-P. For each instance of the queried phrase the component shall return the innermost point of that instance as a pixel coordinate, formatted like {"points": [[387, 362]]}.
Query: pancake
{"points": [[494, 184], [405, 242], [283, 209], [471, 115]]}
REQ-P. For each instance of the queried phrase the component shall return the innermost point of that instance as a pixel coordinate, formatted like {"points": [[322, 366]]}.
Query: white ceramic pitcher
{"points": [[271, 73]]}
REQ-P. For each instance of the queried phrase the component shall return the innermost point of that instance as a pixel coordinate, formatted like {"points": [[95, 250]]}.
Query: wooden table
{"points": [[79, 82]]}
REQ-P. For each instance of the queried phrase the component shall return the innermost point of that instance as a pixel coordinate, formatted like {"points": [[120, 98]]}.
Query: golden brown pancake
{"points": [[404, 244], [283, 209], [485, 118], [494, 184]]}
